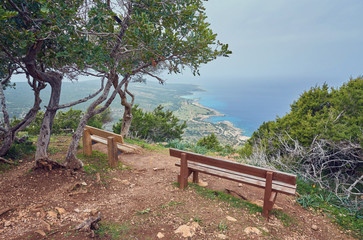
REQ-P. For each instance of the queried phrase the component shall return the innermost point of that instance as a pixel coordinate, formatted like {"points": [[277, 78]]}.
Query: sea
{"points": [[247, 104]]}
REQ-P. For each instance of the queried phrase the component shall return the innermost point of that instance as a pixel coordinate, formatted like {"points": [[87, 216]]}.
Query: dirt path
{"points": [[144, 203]]}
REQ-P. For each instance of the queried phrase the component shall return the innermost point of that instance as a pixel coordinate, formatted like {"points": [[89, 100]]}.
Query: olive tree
{"points": [[42, 39], [170, 34]]}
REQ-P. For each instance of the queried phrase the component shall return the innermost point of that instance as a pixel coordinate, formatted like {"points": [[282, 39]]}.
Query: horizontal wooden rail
{"points": [[233, 166]]}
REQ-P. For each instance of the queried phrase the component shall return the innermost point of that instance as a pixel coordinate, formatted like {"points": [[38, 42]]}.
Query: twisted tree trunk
{"points": [[47, 122]]}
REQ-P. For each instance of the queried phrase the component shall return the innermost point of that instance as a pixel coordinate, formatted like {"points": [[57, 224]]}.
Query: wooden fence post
{"points": [[267, 204], [183, 177], [112, 152], [87, 142]]}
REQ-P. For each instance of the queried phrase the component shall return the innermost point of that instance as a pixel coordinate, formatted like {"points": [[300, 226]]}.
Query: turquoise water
{"points": [[248, 105]]}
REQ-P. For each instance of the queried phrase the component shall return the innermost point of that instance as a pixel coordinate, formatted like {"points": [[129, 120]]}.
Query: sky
{"points": [[301, 42]]}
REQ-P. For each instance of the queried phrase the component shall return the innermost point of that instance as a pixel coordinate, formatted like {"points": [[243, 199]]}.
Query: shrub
{"points": [[210, 142], [157, 126]]}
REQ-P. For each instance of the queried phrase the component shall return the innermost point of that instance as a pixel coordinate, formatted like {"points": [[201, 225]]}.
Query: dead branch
{"points": [[235, 194], [89, 225], [6, 161], [5, 210]]}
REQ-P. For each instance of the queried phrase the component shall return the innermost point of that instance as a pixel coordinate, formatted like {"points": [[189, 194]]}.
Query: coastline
{"points": [[196, 115]]}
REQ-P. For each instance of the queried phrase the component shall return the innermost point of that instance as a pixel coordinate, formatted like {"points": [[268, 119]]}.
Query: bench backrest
{"points": [[104, 134], [233, 166]]}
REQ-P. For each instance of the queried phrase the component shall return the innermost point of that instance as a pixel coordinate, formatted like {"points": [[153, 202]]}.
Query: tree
{"points": [[144, 35], [44, 41], [210, 142]]}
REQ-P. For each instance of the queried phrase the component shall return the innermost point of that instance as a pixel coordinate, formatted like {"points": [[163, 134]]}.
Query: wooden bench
{"points": [[113, 141], [272, 181]]}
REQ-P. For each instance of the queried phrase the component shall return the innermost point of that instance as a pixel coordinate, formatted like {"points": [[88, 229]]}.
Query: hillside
{"points": [[140, 201], [148, 96]]}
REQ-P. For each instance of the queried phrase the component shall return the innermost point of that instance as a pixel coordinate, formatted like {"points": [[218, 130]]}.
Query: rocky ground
{"points": [[142, 202]]}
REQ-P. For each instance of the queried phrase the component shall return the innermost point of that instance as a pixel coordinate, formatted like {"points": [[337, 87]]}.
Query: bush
{"points": [[210, 142], [157, 126]]}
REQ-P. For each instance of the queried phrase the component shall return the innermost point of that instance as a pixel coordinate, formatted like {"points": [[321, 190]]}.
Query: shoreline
{"points": [[196, 116]]}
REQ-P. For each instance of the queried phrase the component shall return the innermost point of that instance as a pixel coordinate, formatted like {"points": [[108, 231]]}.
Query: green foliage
{"points": [[113, 231], [66, 122], [99, 120], [142, 212], [20, 149], [320, 113], [340, 210], [157, 126], [97, 163], [222, 227], [210, 142], [200, 149]]}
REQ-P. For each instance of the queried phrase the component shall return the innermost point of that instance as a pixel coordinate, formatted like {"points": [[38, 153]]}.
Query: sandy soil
{"points": [[143, 202]]}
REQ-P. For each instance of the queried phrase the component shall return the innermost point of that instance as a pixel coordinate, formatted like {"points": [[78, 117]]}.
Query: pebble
{"points": [[314, 227], [252, 230], [222, 236], [160, 235], [232, 219]]}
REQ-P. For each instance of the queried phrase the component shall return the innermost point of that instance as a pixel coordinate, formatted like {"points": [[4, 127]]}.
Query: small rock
{"points": [[61, 211], [7, 224], [52, 214], [77, 210], [187, 230], [84, 184], [260, 204], [202, 184], [314, 227], [41, 233], [126, 182], [240, 185], [222, 236], [155, 169], [184, 230], [160, 235], [252, 230], [232, 219]]}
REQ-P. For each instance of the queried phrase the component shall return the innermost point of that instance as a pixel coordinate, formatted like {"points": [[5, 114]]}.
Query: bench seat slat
{"points": [[239, 177], [123, 147], [233, 166], [244, 175]]}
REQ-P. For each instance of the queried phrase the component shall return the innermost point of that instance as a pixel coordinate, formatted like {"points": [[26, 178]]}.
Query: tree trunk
{"points": [[126, 121], [10, 132], [47, 123], [71, 161], [127, 117]]}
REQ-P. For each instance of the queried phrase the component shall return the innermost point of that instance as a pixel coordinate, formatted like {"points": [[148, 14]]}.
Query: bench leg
{"points": [[184, 172], [87, 142], [195, 177], [112, 152], [267, 203]]}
